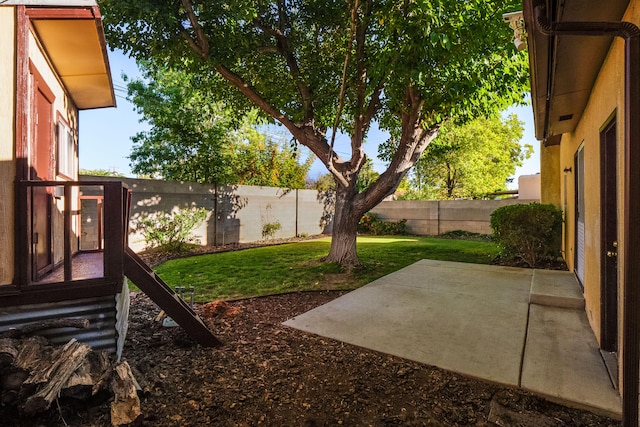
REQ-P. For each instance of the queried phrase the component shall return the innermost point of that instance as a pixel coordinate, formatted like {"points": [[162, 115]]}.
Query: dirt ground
{"points": [[272, 375], [268, 374]]}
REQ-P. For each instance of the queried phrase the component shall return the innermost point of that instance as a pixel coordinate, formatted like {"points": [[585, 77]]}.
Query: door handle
{"points": [[612, 254]]}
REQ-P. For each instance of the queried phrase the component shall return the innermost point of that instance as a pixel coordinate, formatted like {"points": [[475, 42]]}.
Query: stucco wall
{"points": [[632, 15], [529, 187], [550, 171], [606, 101], [432, 217], [7, 136]]}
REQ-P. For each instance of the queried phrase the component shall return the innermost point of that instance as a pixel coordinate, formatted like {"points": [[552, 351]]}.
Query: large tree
{"points": [[470, 160], [330, 66], [194, 137]]}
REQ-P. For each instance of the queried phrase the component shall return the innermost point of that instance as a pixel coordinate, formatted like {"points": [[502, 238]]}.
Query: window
{"points": [[67, 159]]}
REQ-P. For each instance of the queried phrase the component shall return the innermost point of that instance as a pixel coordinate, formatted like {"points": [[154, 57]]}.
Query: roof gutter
{"points": [[631, 275]]}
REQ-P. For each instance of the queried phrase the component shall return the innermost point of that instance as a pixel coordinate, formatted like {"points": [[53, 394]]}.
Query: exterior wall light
{"points": [[516, 23]]}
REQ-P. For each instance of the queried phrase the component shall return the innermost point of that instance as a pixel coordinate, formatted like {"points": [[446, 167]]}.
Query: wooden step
{"points": [[151, 284]]}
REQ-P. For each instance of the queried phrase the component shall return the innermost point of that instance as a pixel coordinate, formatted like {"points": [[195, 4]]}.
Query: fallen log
{"points": [[125, 408], [90, 377], [65, 362], [32, 352], [38, 374]]}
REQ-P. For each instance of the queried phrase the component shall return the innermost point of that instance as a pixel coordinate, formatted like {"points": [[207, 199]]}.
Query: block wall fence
{"points": [[238, 213], [435, 217]]}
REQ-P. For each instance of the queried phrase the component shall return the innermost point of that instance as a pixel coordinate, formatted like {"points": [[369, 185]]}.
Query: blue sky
{"points": [[105, 134]]}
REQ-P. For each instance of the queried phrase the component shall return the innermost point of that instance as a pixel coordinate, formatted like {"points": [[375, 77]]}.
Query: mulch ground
{"points": [[268, 374]]}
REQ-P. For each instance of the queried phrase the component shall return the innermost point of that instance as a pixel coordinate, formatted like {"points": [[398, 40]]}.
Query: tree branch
{"points": [[306, 132], [336, 173], [361, 124], [254, 97], [201, 39], [361, 68], [413, 141], [343, 85], [192, 43], [374, 102], [284, 48]]}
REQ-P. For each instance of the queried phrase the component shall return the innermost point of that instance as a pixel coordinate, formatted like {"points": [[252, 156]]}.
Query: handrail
{"points": [[115, 195]]}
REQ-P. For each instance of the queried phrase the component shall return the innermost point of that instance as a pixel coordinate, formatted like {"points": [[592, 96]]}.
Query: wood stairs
{"points": [[152, 285]]}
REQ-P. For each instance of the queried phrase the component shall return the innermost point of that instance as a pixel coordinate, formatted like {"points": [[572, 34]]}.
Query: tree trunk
{"points": [[345, 229]]}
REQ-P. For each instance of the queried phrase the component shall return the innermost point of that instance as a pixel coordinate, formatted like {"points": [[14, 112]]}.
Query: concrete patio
{"points": [[520, 327]]}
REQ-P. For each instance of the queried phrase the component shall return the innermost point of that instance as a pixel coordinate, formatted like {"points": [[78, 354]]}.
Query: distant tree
{"points": [[324, 67], [101, 172], [194, 137], [324, 182], [470, 160], [270, 164], [367, 176]]}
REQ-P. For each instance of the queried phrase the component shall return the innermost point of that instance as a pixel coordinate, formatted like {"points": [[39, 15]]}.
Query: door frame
{"points": [[608, 237], [39, 86]]}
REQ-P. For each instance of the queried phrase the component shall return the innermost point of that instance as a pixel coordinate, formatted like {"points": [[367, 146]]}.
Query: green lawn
{"points": [[295, 267]]}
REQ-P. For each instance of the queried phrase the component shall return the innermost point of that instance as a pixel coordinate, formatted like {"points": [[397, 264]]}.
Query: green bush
{"points": [[270, 229], [371, 223], [466, 235], [532, 232], [171, 230]]}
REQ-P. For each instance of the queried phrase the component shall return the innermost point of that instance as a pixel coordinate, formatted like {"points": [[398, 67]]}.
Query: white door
{"points": [[579, 215]]}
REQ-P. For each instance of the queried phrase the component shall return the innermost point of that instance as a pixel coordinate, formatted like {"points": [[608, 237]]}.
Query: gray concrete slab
{"points": [[556, 289], [473, 319], [429, 312], [562, 360]]}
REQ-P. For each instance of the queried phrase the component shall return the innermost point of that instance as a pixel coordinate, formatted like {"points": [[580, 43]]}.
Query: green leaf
{"points": [[434, 38]]}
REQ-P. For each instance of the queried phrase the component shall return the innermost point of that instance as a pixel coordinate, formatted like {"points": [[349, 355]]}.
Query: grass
{"points": [[295, 266]]}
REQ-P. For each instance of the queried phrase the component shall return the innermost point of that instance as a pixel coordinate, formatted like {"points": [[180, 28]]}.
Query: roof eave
{"points": [[74, 41], [564, 69]]}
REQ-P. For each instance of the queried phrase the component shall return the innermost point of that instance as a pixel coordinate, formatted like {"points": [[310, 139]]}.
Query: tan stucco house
{"points": [[54, 63], [585, 81]]}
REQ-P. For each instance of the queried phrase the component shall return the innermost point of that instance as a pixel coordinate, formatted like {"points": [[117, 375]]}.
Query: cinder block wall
{"points": [[236, 213], [437, 217]]}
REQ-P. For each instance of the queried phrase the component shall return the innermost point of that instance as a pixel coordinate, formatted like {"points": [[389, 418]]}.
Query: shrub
{"points": [[532, 232], [366, 223], [370, 223], [269, 229], [466, 235], [171, 230]]}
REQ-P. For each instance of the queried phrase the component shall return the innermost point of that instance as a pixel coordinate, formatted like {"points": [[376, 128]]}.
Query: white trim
{"points": [[67, 153]]}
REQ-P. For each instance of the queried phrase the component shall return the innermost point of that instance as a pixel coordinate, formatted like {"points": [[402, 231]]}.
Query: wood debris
{"points": [[33, 374]]}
